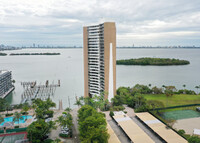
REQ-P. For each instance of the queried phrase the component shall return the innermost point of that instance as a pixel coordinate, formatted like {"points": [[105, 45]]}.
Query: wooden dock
{"points": [[34, 91]]}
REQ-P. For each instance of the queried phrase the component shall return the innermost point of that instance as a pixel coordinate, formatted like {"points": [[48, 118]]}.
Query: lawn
{"points": [[177, 99]]}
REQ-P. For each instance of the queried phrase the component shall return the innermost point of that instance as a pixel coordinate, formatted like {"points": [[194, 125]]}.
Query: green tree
{"points": [[42, 108], [3, 102], [197, 87], [1, 119], [142, 89], [7, 107], [92, 125], [78, 103], [169, 91], [65, 120], [184, 87], [181, 132], [156, 90], [68, 110], [25, 108], [69, 120], [118, 100], [17, 117], [61, 121], [152, 104], [194, 139], [57, 140], [149, 85], [39, 129]]}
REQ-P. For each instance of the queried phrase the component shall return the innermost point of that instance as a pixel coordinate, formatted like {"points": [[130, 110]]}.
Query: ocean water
{"points": [[68, 68]]}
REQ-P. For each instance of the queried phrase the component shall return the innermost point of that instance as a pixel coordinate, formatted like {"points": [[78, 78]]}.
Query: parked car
{"points": [[65, 132], [65, 128]]}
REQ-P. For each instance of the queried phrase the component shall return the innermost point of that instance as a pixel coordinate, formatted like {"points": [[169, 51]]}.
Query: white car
{"points": [[65, 128], [65, 132]]}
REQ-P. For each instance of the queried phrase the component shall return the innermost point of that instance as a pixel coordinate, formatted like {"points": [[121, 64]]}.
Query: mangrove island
{"points": [[19, 54], [3, 54], [153, 61]]}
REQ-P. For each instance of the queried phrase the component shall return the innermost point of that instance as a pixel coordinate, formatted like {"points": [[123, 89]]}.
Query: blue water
{"points": [[10, 119]]}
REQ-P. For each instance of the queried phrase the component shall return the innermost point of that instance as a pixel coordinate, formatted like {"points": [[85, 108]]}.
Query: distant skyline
{"points": [[138, 22]]}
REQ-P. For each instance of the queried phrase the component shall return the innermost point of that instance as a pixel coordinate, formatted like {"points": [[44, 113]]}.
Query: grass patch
{"points": [[175, 100]]}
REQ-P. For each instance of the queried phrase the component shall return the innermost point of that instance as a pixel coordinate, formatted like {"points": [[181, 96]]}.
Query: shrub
{"points": [[64, 135], [16, 127], [7, 115], [24, 113], [125, 112], [194, 139], [181, 132], [48, 141], [156, 90], [142, 89], [18, 106], [142, 108], [111, 113], [118, 108]]}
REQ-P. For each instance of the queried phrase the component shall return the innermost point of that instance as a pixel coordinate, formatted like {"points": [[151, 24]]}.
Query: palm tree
{"points": [[78, 103], [25, 109], [34, 106], [61, 121], [197, 87], [184, 87], [57, 140], [68, 109], [1, 119], [17, 117], [168, 93], [7, 107]]}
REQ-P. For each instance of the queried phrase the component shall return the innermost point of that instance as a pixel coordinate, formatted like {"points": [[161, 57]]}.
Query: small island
{"points": [[153, 61], [3, 54], [22, 54]]}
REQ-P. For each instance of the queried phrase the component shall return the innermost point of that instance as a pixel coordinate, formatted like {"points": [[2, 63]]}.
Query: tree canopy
{"points": [[37, 130], [92, 125], [153, 61], [42, 108]]}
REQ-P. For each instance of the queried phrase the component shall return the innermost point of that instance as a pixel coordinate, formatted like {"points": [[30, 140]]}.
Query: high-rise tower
{"points": [[100, 60]]}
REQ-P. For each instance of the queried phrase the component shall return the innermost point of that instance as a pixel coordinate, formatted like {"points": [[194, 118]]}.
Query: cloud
{"points": [[60, 22]]}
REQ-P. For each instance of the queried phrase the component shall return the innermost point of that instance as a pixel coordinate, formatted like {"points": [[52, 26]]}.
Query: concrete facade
{"points": [[5, 83], [99, 43]]}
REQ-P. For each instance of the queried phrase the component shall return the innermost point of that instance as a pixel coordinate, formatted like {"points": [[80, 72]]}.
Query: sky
{"points": [[138, 22]]}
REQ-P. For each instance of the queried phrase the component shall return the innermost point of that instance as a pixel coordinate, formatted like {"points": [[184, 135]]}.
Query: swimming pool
{"points": [[10, 119]]}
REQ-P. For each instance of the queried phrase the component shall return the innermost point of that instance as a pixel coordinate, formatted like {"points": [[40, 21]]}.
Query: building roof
{"points": [[3, 71], [161, 129], [113, 137], [133, 131]]}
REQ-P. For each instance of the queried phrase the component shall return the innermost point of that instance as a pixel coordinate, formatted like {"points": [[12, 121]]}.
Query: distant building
{"points": [[5, 83], [100, 60]]}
